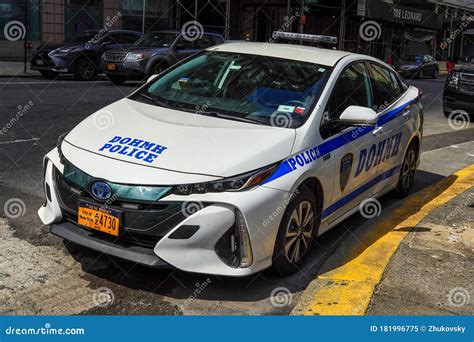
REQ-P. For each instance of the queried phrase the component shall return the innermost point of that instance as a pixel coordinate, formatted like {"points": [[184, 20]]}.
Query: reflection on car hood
{"points": [[130, 131], [51, 47], [465, 68]]}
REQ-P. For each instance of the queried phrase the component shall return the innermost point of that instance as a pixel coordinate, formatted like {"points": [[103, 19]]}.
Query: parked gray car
{"points": [[153, 53]]}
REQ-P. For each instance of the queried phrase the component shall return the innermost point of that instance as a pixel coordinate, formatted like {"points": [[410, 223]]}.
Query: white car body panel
{"points": [[202, 149]]}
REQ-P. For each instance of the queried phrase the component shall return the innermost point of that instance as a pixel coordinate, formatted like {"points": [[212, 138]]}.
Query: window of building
{"points": [[14, 10], [156, 15], [81, 16]]}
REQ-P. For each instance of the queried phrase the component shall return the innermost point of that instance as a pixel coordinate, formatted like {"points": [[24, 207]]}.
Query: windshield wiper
{"points": [[154, 100], [230, 117]]}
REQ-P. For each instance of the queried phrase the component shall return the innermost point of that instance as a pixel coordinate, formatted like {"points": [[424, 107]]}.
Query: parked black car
{"points": [[459, 89], [81, 55], [418, 66], [153, 53]]}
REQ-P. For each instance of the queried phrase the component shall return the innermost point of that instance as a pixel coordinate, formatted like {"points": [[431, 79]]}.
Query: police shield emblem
{"points": [[345, 171]]}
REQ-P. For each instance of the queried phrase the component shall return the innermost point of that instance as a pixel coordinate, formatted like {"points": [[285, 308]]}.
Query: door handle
{"points": [[406, 114], [377, 131]]}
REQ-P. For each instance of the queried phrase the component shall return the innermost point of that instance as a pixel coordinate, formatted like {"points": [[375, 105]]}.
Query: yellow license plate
{"points": [[111, 66], [99, 218]]}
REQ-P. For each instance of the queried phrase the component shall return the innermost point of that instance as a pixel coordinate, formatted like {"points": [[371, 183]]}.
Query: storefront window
{"points": [[157, 15], [13, 11], [81, 16]]}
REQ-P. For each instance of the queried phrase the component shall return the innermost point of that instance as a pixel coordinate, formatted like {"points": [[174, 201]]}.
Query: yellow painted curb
{"points": [[346, 284]]}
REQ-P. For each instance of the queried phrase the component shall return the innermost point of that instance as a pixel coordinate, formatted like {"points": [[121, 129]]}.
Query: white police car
{"points": [[235, 159]]}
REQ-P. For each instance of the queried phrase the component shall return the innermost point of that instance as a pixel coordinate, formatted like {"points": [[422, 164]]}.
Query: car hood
{"points": [[51, 47], [466, 68], [178, 141]]}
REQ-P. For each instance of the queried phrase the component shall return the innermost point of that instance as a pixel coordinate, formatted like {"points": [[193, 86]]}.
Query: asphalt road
{"points": [[51, 108]]}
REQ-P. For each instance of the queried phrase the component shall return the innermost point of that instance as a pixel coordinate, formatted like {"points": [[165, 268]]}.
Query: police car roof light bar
{"points": [[306, 37]]}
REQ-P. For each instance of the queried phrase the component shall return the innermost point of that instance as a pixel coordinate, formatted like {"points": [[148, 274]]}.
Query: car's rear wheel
{"points": [[49, 74], [85, 70], [296, 232], [407, 172], [117, 79]]}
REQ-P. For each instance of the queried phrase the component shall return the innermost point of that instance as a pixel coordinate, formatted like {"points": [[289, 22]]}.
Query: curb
{"points": [[347, 280]]}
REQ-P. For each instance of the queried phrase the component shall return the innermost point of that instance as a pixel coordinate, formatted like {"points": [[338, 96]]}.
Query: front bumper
{"points": [[43, 61], [130, 70], [200, 241], [454, 99]]}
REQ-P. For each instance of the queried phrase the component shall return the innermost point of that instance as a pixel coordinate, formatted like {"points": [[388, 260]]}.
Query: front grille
{"points": [[144, 226], [41, 56], [114, 57], [467, 83]]}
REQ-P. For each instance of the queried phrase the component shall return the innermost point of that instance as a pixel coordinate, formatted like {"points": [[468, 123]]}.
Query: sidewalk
{"points": [[16, 69]]}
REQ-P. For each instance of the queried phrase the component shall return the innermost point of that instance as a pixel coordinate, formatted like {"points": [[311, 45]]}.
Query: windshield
{"points": [[157, 39], [413, 59], [258, 89], [84, 37]]}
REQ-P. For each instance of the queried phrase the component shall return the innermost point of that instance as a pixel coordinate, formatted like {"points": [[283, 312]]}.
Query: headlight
{"points": [[134, 56], [237, 183], [58, 145], [453, 79]]}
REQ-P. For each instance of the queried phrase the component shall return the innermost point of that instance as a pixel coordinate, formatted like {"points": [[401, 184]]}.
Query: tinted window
{"points": [[352, 88], [185, 44], [205, 42], [386, 86], [128, 38]]}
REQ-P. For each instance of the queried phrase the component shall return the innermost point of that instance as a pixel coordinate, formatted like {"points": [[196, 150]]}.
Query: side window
{"points": [[352, 88], [128, 38], [185, 44], [204, 42], [114, 38], [386, 86]]}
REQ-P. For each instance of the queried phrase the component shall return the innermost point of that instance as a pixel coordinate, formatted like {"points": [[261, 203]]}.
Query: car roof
{"points": [[302, 53]]}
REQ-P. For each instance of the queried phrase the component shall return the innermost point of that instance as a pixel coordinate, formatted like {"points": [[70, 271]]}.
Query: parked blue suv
{"points": [[153, 53], [81, 55]]}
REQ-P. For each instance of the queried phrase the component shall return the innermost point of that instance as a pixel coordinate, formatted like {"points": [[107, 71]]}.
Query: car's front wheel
{"points": [[85, 70], [407, 172], [296, 232]]}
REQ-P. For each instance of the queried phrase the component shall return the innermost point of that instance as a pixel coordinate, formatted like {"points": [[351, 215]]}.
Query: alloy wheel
{"points": [[86, 70], [299, 232], [408, 169]]}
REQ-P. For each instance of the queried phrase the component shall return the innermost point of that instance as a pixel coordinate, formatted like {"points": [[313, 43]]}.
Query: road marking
{"points": [[346, 287], [18, 141]]}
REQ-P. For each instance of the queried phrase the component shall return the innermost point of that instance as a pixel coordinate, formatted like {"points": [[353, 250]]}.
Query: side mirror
{"points": [[358, 116], [151, 78]]}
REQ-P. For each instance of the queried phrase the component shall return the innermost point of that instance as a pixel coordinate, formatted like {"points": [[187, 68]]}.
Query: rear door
{"points": [[396, 112]]}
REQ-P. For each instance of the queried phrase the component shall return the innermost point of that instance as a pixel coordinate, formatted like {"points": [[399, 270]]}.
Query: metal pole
{"points": [[342, 25], [26, 36], [143, 16], [288, 9]]}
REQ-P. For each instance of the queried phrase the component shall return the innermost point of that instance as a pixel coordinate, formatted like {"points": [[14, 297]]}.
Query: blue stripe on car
{"points": [[335, 143]]}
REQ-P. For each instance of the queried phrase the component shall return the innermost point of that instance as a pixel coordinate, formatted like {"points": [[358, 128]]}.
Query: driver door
{"points": [[355, 151]]}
